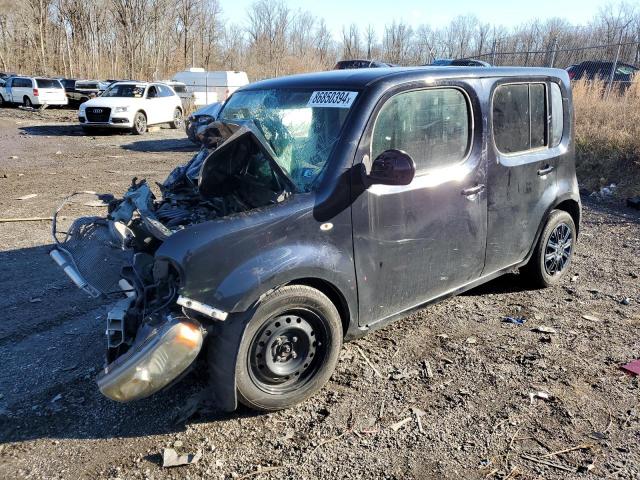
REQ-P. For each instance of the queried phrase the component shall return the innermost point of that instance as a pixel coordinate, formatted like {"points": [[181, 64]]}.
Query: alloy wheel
{"points": [[558, 249]]}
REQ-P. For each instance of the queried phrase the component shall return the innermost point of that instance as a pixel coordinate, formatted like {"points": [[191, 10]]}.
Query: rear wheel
{"points": [[552, 256], [178, 121], [289, 349], [139, 124], [26, 101]]}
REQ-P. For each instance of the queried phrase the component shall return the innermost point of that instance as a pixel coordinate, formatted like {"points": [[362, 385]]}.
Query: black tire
{"points": [[26, 102], [302, 331], [139, 124], [178, 119], [551, 259], [2, 102]]}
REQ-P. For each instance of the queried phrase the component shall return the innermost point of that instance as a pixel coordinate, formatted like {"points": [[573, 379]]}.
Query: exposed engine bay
{"points": [[234, 172]]}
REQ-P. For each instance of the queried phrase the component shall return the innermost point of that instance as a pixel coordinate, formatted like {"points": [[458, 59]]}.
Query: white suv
{"points": [[32, 92], [134, 106]]}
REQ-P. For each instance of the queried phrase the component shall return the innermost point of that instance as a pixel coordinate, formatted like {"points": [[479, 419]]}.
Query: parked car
{"points": [[602, 70], [201, 118], [351, 64], [459, 62], [133, 106], [209, 87], [334, 204], [33, 91], [86, 90]]}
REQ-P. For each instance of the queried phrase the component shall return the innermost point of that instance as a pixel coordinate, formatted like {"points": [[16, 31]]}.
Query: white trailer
{"points": [[213, 86]]}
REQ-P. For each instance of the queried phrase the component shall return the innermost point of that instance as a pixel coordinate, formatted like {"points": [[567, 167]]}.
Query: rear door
{"points": [[21, 88], [527, 125], [50, 91], [414, 243]]}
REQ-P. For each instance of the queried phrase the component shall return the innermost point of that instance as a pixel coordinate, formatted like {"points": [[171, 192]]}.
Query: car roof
{"points": [[365, 77]]}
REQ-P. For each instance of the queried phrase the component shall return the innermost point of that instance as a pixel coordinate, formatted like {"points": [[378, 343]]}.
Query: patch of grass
{"points": [[608, 136]]}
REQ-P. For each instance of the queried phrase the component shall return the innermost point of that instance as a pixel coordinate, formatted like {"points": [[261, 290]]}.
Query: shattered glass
{"points": [[301, 136]]}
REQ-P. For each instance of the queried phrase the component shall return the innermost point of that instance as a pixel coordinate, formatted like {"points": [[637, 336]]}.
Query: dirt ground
{"points": [[470, 378]]}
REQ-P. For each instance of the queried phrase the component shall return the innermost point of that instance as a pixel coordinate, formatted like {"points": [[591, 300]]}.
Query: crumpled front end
{"points": [[154, 333]]}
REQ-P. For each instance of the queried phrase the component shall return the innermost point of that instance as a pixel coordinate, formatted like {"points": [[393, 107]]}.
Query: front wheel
{"points": [[178, 121], [289, 349], [553, 253], [139, 124]]}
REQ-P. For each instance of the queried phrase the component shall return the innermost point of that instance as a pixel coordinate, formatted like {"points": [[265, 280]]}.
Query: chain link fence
{"points": [[616, 65]]}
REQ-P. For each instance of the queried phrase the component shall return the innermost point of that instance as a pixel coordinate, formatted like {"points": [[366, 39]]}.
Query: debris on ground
{"points": [[515, 320], [368, 362], [27, 197], [625, 301], [398, 425], [543, 329], [591, 318], [170, 458], [96, 203], [632, 367], [540, 394], [56, 398]]}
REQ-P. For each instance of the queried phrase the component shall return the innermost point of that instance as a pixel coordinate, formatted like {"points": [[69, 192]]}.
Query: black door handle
{"points": [[467, 192], [545, 171]]}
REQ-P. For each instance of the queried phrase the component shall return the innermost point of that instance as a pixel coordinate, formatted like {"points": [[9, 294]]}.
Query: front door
{"points": [[416, 242]]}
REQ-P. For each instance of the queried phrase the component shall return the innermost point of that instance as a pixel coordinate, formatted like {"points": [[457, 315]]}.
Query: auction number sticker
{"points": [[336, 99]]}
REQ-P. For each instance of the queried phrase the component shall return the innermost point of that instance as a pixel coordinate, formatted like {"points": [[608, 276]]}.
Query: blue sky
{"points": [[415, 12]]}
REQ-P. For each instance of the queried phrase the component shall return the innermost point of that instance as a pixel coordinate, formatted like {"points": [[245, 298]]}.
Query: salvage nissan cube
{"points": [[321, 207]]}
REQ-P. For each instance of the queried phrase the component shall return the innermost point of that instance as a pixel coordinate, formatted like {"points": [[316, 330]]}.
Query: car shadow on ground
{"points": [[52, 349], [53, 130], [162, 145]]}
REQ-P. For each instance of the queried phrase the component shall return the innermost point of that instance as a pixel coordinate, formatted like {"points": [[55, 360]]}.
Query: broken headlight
{"points": [[154, 363]]}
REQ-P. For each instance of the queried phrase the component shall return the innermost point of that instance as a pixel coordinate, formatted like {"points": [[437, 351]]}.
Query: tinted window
{"points": [[87, 86], [47, 83], [22, 82], [557, 115], [432, 126], [519, 117], [152, 92], [179, 88]]}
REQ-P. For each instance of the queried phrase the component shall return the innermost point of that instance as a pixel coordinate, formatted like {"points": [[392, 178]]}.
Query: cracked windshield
{"points": [[301, 126]]}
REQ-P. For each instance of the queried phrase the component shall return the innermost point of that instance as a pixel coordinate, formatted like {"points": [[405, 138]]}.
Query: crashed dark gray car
{"points": [[321, 207]]}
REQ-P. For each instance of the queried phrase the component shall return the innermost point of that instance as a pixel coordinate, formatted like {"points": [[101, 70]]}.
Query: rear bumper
{"points": [[46, 101]]}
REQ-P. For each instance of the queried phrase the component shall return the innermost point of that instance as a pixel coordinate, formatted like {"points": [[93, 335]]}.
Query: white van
{"points": [[31, 91], [209, 87]]}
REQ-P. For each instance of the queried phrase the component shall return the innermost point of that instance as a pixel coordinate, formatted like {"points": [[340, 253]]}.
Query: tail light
{"points": [[572, 74], [35, 92]]}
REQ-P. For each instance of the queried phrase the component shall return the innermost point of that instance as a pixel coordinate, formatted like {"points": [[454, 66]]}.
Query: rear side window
{"points": [[520, 117], [433, 126], [47, 83], [557, 115], [22, 83]]}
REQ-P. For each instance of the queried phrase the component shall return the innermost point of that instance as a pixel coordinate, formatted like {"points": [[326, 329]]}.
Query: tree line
{"points": [[152, 39]]}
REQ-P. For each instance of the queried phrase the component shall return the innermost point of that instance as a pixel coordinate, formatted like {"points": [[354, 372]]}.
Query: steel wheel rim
{"points": [[287, 351], [558, 249], [140, 123]]}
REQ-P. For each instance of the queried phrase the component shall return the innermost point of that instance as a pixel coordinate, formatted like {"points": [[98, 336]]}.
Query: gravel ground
{"points": [[471, 379]]}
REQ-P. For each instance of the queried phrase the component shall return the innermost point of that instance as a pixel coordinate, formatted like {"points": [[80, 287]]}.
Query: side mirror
{"points": [[392, 167]]}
